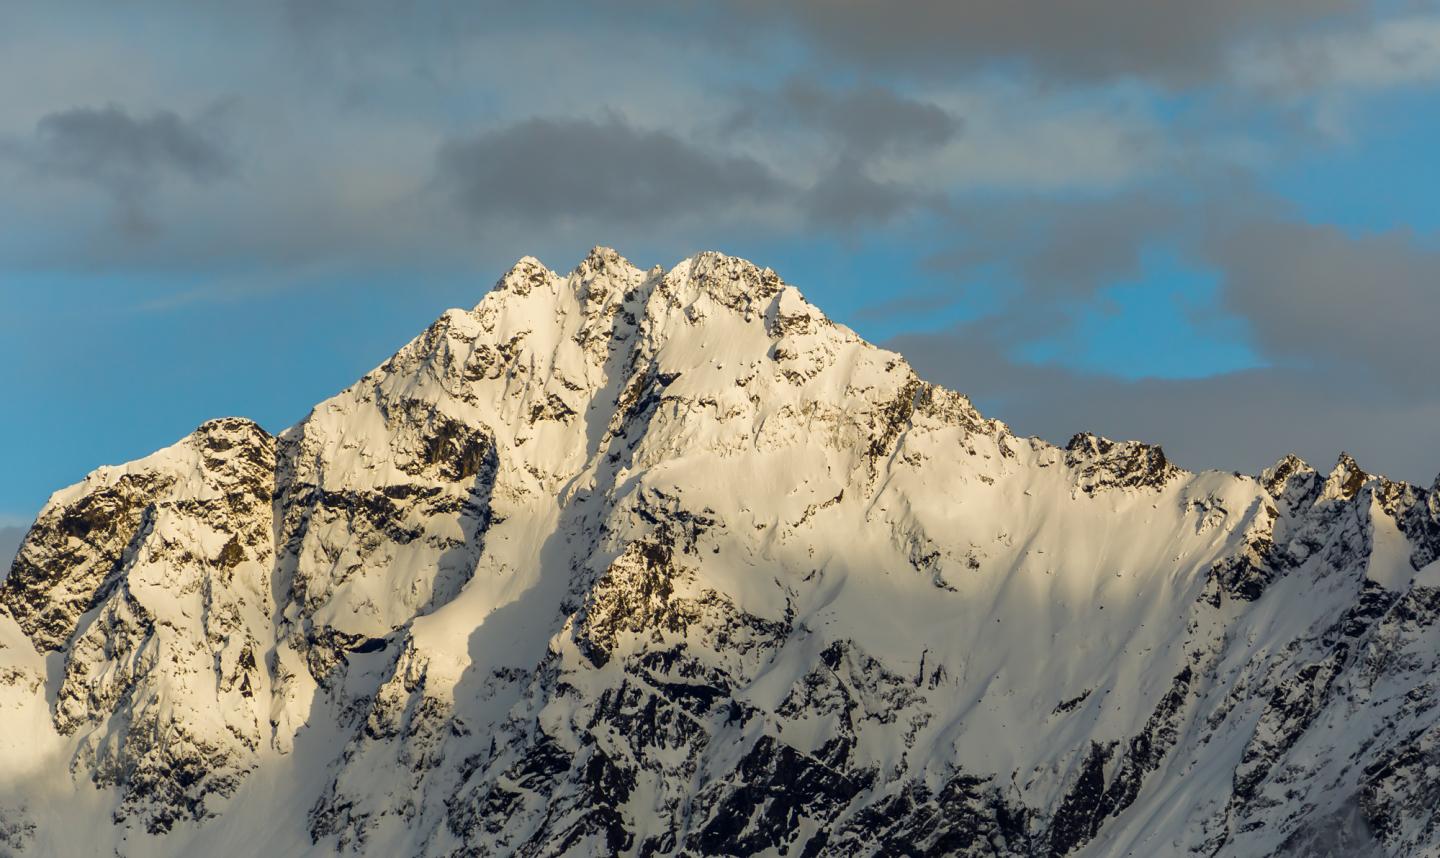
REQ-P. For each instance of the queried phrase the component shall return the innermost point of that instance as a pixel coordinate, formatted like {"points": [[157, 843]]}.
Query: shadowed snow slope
{"points": [[666, 562]]}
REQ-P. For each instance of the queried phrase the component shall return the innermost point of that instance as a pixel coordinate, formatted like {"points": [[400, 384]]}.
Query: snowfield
{"points": [[668, 563]]}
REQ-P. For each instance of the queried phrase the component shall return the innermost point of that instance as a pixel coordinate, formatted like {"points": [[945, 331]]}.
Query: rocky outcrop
{"points": [[1103, 464]]}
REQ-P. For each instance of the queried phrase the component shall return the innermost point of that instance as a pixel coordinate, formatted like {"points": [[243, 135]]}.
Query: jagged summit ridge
{"points": [[663, 562]]}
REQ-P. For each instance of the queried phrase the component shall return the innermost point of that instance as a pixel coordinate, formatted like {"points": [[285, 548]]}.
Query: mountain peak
{"points": [[604, 273], [224, 433], [1345, 479], [601, 257], [1104, 463], [730, 280], [1289, 470], [526, 274]]}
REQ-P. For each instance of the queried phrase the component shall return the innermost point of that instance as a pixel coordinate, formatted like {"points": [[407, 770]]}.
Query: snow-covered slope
{"points": [[666, 562]]}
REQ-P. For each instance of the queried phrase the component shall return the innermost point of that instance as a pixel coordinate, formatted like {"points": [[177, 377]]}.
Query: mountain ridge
{"points": [[594, 568]]}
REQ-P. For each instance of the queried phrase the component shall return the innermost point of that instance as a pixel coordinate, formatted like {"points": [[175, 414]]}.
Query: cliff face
{"points": [[664, 563]]}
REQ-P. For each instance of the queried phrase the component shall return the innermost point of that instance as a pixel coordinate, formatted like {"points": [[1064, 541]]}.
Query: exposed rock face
{"points": [[152, 584], [667, 563]]}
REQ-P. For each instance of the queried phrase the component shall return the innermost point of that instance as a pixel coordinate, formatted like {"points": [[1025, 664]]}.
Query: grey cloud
{"points": [[847, 196], [864, 121], [1235, 421], [1087, 249], [124, 155], [107, 143], [859, 125], [545, 170], [1061, 248], [1173, 42], [1316, 293]]}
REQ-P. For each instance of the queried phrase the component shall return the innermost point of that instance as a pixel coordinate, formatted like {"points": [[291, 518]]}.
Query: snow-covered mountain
{"points": [[668, 563]]}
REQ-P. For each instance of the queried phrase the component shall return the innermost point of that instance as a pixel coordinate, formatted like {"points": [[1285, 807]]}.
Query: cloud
{"points": [[864, 121], [1382, 54], [1321, 295], [1321, 77], [844, 135], [869, 153], [1061, 248], [846, 196], [1173, 43], [340, 110], [124, 155], [558, 170], [1024, 138], [108, 141], [608, 171]]}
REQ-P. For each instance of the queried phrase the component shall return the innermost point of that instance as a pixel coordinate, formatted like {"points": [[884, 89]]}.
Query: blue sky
{"points": [[1211, 226]]}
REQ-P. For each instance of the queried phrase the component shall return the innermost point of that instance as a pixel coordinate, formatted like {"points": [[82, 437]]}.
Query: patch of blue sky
{"points": [[1343, 183], [1166, 324]]}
